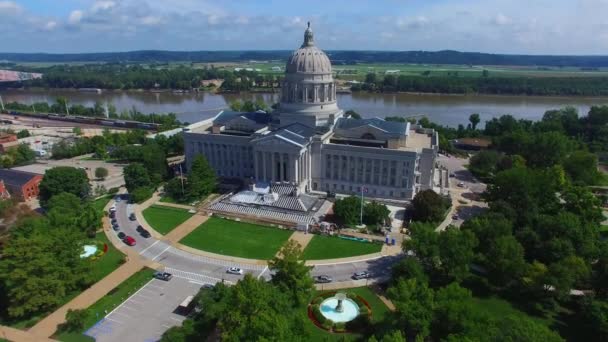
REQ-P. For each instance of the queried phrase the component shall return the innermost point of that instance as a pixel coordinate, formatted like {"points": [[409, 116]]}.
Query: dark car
{"points": [[116, 227], [163, 276], [323, 279], [114, 221], [207, 287], [132, 217], [361, 275], [144, 233], [113, 215], [121, 235], [139, 228]]}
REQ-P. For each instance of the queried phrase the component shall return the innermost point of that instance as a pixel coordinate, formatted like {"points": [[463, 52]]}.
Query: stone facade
{"points": [[308, 143]]}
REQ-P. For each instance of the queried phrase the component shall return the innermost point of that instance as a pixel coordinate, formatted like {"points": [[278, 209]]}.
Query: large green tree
{"points": [[201, 178], [291, 275], [413, 302], [64, 179], [136, 176], [428, 206], [348, 210]]}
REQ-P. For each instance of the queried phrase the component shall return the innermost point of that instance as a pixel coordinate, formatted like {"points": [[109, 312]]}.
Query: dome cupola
{"points": [[309, 88]]}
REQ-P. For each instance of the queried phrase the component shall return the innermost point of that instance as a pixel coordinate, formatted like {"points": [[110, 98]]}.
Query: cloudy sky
{"points": [[500, 26]]}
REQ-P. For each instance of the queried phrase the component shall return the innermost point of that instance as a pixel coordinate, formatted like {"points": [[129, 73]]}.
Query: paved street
{"points": [[146, 314]]}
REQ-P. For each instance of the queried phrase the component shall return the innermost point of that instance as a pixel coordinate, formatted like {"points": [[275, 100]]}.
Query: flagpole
{"points": [[361, 211]]}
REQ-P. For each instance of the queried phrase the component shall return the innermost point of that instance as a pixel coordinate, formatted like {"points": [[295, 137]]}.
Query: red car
{"points": [[129, 240]]}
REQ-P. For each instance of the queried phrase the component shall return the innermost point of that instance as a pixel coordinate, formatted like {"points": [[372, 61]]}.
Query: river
{"points": [[444, 109]]}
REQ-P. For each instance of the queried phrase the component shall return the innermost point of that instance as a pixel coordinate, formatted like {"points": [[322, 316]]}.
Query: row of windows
{"points": [[363, 170], [354, 190]]}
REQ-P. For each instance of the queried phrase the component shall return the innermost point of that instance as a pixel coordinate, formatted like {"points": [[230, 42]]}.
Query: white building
{"points": [[308, 143]]}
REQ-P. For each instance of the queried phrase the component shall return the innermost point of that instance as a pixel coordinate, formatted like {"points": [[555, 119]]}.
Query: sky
{"points": [[569, 27]]}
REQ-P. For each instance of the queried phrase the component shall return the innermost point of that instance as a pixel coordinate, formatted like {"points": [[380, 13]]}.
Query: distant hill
{"points": [[337, 56]]}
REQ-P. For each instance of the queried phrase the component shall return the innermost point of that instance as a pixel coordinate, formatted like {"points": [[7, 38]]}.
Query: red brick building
{"points": [[20, 184], [7, 141]]}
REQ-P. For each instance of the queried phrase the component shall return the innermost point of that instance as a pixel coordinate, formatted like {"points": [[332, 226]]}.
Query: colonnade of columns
{"points": [[282, 167], [308, 93]]}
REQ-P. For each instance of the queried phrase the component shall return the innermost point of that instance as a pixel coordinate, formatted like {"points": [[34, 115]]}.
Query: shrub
{"points": [[318, 300], [361, 323], [328, 324], [75, 320], [363, 310], [140, 195], [316, 311], [340, 327]]}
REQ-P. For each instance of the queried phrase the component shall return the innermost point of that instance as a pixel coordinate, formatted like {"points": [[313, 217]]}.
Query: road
{"points": [[151, 310]]}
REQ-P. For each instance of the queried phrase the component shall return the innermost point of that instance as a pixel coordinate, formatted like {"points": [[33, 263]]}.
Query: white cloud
{"points": [[501, 19], [102, 5], [50, 25], [150, 20], [75, 17], [9, 7]]}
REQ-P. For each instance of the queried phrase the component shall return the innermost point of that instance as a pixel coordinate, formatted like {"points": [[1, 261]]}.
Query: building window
{"points": [[314, 186], [391, 193], [403, 194], [335, 186]]}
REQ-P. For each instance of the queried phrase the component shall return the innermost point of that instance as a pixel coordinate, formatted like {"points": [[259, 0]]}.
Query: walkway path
{"points": [[175, 205], [302, 238], [17, 335], [186, 228]]}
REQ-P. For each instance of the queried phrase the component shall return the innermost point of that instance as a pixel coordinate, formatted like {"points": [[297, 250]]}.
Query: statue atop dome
{"points": [[308, 37]]}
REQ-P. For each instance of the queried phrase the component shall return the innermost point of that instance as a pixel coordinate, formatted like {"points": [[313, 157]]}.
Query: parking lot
{"points": [[148, 313]]}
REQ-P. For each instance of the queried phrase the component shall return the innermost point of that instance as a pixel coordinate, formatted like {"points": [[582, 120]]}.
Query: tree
{"points": [[428, 206], [136, 176], [453, 311], [75, 320], [348, 210], [408, 268], [413, 302], [101, 173], [515, 328], [77, 131], [474, 120], [581, 166], [595, 313], [201, 179], [291, 275], [456, 253], [67, 210], [64, 179], [504, 260], [375, 213], [371, 77], [484, 163], [24, 133]]}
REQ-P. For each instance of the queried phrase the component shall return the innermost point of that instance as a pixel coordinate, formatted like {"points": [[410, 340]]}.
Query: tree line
{"points": [[544, 86]]}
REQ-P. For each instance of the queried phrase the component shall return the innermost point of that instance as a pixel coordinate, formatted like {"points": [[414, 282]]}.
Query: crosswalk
{"points": [[200, 278]]}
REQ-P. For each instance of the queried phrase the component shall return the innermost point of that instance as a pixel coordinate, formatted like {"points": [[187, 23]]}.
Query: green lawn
{"points": [[327, 247], [499, 308], [100, 203], [238, 239], [165, 219], [110, 301], [109, 261]]}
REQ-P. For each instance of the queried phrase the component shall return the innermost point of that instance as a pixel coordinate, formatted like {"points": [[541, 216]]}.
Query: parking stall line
{"points": [[159, 254], [119, 313], [156, 286], [128, 307], [113, 320], [175, 319], [146, 297], [136, 302], [136, 292]]}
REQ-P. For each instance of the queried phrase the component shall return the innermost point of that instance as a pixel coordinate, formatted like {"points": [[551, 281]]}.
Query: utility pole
{"points": [[67, 111], [181, 178], [361, 211], [34, 107], [1, 103]]}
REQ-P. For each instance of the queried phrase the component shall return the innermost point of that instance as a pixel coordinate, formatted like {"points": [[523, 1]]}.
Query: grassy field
{"points": [[326, 247], [237, 239], [100, 203], [165, 219], [110, 301], [109, 261]]}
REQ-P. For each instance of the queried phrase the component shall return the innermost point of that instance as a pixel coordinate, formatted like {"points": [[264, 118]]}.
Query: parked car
{"points": [[112, 209], [129, 241], [116, 227], [234, 270], [132, 217], [139, 228], [112, 214], [114, 221], [144, 233], [455, 217], [323, 279], [207, 286], [121, 235], [163, 276], [461, 185], [361, 275], [452, 175]]}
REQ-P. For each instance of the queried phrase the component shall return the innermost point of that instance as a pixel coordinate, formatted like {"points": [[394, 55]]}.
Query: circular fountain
{"points": [[339, 308], [89, 250]]}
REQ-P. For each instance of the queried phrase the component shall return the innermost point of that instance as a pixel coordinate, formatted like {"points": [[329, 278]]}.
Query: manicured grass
{"points": [[238, 239], [327, 247], [110, 301], [165, 219], [109, 261], [100, 203], [379, 309]]}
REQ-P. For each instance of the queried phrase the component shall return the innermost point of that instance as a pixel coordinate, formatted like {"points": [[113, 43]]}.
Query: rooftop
{"points": [[16, 177], [419, 140], [387, 126]]}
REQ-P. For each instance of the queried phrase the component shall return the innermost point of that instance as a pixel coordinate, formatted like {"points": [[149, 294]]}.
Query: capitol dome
{"points": [[308, 58], [308, 90]]}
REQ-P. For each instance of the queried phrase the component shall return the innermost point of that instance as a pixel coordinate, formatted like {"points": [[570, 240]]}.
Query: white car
{"points": [[234, 270]]}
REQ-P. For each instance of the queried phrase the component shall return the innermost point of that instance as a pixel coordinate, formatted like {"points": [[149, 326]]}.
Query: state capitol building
{"points": [[309, 144]]}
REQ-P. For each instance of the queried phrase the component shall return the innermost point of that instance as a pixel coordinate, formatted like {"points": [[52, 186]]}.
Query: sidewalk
{"points": [[17, 335], [220, 256], [301, 238], [186, 228], [175, 205]]}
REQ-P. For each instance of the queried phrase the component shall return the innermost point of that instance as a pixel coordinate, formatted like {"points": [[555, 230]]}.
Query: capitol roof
{"points": [[308, 58]]}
